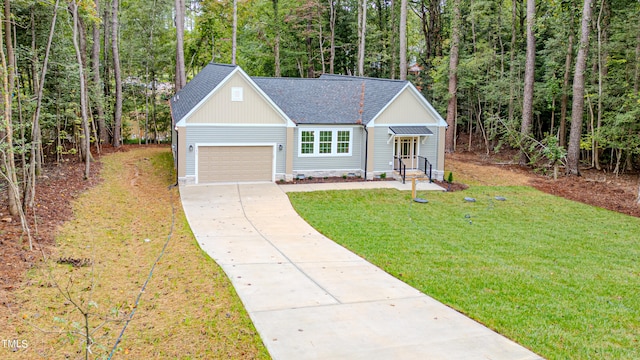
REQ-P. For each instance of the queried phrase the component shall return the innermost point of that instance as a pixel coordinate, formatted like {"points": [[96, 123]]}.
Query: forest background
{"points": [[556, 79]]}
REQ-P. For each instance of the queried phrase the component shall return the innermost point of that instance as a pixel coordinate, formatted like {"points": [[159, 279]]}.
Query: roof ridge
{"points": [[292, 78], [220, 64], [351, 77]]}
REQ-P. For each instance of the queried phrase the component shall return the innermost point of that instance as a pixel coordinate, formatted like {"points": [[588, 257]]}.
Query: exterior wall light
{"points": [[280, 147], [190, 148]]}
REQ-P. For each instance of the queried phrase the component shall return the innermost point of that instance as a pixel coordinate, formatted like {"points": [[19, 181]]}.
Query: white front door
{"points": [[406, 148]]}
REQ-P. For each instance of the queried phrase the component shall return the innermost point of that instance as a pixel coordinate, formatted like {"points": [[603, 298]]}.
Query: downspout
{"points": [[176, 154], [366, 150], [175, 130]]}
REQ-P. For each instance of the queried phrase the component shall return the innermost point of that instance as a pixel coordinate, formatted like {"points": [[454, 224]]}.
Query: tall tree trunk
{"points": [[392, 65], [573, 152], [636, 88], [529, 78], [564, 100], [602, 74], [117, 113], [8, 156], [512, 63], [36, 134], [86, 149], [362, 30], [181, 76], [452, 106], [276, 45], [97, 81], [403, 40], [332, 27], [234, 44]]}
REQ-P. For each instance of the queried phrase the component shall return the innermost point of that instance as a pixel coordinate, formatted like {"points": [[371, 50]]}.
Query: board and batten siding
{"points": [[235, 135], [220, 109], [406, 109], [325, 163]]}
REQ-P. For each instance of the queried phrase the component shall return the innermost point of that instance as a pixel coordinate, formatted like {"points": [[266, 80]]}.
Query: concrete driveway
{"points": [[310, 298]]}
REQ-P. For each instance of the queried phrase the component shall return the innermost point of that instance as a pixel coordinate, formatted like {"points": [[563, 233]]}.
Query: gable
{"points": [[251, 106], [408, 108]]}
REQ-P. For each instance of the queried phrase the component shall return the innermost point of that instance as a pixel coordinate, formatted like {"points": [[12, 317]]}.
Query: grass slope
{"points": [[558, 277], [189, 309]]}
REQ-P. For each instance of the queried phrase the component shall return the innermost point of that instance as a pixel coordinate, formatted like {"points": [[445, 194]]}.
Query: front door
{"points": [[406, 149]]}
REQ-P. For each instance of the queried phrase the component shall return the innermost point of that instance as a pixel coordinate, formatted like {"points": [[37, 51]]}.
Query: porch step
{"points": [[411, 174]]}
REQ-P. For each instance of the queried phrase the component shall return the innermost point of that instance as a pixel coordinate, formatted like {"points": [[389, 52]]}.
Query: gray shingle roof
{"points": [[378, 92], [199, 87], [331, 99], [314, 101]]}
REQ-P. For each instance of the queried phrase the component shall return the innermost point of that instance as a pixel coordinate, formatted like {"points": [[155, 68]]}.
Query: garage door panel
{"points": [[235, 163]]}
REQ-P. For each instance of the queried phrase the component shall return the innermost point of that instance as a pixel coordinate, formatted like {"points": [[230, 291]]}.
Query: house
{"points": [[231, 127]]}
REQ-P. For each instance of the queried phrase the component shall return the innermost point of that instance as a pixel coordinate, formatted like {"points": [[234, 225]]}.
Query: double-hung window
{"points": [[325, 142]]}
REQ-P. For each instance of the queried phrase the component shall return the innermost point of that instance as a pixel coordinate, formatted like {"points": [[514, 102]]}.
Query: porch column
{"points": [[288, 171], [370, 153]]}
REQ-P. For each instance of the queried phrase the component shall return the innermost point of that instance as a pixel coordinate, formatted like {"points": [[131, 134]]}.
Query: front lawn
{"points": [[558, 277]]}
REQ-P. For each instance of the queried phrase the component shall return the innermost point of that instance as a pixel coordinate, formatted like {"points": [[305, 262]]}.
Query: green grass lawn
{"points": [[558, 277]]}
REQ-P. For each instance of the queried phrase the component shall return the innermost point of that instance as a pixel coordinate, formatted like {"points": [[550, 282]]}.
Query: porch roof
{"points": [[410, 130]]}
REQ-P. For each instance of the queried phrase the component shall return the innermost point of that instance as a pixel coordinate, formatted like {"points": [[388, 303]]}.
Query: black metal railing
{"points": [[400, 167], [426, 166]]}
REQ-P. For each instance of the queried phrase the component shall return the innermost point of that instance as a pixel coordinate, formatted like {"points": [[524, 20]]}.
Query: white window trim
{"points": [[316, 142]]}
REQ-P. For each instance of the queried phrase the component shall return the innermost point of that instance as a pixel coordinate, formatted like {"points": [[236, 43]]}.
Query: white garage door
{"points": [[235, 163]]}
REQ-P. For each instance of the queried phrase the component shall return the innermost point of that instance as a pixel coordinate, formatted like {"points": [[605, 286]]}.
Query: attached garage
{"points": [[234, 163]]}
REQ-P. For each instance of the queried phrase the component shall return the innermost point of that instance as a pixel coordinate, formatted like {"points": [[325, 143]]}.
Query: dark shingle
{"points": [[314, 101], [199, 87], [330, 99], [378, 92]]}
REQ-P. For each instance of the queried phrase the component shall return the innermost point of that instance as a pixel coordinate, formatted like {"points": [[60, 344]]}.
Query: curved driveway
{"points": [[310, 298]]}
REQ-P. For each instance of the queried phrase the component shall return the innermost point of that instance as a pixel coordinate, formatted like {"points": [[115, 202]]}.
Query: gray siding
{"points": [[383, 152], [234, 135], [355, 161]]}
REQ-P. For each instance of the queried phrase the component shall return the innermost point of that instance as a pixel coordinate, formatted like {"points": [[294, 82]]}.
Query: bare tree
{"points": [[86, 144], [512, 63], [181, 76], [97, 81], [564, 100], [276, 43], [362, 30], [234, 44], [6, 135], [332, 27], [117, 115], [403, 40], [573, 152], [529, 78], [452, 106]]}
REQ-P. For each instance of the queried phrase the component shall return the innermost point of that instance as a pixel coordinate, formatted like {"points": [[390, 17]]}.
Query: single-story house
{"points": [[230, 127]]}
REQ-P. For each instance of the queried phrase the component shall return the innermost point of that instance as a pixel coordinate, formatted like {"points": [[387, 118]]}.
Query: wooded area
{"points": [[81, 74]]}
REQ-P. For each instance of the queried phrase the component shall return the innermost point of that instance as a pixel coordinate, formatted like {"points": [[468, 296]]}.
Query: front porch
{"points": [[408, 159]]}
